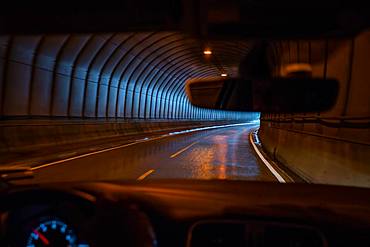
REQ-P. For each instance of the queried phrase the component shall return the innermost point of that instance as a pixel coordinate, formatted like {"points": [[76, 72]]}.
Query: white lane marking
{"points": [[145, 175], [136, 142], [183, 150], [269, 166]]}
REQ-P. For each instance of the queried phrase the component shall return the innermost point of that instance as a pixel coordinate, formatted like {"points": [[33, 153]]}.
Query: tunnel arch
{"points": [[110, 75]]}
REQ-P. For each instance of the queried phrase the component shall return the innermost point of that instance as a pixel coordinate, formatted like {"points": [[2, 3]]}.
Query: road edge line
{"points": [[267, 164]]}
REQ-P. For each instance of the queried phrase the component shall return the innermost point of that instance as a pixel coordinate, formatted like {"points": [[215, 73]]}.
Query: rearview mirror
{"points": [[279, 95]]}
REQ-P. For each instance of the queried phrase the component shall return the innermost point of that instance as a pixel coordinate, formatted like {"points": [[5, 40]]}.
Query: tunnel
{"points": [[124, 75], [190, 123], [60, 89]]}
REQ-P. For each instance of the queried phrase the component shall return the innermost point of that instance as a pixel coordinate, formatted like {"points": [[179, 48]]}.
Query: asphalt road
{"points": [[223, 153]]}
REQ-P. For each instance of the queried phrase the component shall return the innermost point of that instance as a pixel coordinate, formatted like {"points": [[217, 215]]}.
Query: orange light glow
{"points": [[207, 52], [223, 74]]}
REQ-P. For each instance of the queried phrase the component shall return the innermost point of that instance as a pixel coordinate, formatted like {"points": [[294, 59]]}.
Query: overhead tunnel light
{"points": [[207, 52], [223, 74]]}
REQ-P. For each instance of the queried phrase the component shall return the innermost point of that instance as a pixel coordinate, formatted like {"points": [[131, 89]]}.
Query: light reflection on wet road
{"points": [[223, 153]]}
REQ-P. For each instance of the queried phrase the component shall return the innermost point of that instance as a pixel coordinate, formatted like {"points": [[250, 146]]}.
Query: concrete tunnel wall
{"points": [[333, 146], [102, 80]]}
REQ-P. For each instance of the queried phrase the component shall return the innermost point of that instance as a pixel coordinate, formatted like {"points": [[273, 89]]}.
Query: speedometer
{"points": [[53, 232]]}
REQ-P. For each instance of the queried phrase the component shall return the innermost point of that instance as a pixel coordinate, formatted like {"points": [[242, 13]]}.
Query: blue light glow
{"points": [[53, 225]]}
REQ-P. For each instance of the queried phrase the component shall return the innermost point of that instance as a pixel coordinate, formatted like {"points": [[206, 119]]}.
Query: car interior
{"points": [[210, 212]]}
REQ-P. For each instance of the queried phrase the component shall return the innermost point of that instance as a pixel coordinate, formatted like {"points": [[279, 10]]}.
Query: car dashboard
{"points": [[184, 213]]}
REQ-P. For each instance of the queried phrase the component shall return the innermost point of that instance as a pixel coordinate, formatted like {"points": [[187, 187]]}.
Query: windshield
{"points": [[95, 106]]}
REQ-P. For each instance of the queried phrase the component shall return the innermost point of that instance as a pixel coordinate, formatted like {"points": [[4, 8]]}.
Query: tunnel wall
{"points": [[124, 75], [70, 88], [325, 147]]}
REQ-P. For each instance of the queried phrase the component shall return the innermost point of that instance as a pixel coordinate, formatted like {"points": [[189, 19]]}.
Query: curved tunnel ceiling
{"points": [[110, 75]]}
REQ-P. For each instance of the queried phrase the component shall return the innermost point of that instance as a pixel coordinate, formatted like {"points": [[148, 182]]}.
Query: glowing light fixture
{"points": [[207, 52], [223, 74]]}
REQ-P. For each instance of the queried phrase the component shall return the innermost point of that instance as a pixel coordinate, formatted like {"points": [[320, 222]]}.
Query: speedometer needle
{"points": [[41, 236]]}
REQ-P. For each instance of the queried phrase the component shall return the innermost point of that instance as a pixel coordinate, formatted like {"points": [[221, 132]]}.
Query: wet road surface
{"points": [[222, 153]]}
